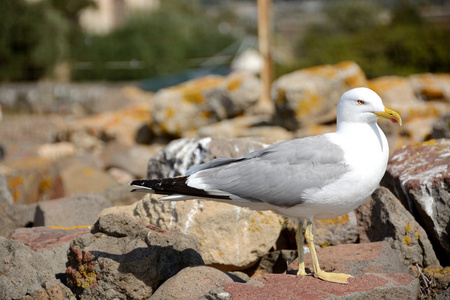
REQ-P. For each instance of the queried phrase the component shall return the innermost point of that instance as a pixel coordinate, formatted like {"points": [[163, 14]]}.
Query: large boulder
{"points": [[203, 101], [383, 218], [24, 274], [377, 270], [125, 259], [76, 210], [419, 175], [309, 96], [179, 155]]}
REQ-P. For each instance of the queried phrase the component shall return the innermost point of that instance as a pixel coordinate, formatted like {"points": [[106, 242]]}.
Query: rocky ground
{"points": [[70, 228]]}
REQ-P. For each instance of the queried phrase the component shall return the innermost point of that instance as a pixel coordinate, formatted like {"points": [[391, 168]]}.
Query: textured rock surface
{"points": [[52, 243], [310, 95], [191, 283], [179, 155], [125, 259], [33, 179], [24, 274], [419, 175], [14, 216], [70, 211], [5, 195], [441, 128], [230, 237], [377, 270], [203, 101], [384, 218]]}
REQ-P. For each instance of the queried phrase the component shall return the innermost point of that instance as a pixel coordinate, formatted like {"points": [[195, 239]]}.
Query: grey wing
{"points": [[276, 175]]}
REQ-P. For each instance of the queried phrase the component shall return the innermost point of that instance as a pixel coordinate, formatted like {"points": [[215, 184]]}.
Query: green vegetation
{"points": [[32, 39], [152, 43], [353, 31]]}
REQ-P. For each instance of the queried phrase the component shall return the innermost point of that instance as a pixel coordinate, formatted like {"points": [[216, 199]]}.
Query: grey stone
{"points": [[418, 175], [383, 218], [5, 195], [14, 216], [24, 273], [191, 283], [125, 259], [441, 128], [71, 211]]}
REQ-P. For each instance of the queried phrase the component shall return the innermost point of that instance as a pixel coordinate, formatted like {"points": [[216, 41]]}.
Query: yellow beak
{"points": [[389, 114]]}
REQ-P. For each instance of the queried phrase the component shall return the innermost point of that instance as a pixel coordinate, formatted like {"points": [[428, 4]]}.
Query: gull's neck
{"points": [[362, 131]]}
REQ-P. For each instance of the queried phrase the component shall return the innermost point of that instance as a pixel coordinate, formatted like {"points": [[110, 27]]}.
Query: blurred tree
{"points": [[32, 39], [407, 44], [153, 43]]}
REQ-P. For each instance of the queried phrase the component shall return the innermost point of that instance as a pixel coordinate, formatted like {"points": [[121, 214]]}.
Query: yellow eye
{"points": [[360, 102]]}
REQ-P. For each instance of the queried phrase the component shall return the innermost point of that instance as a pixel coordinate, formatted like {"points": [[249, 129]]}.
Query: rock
{"points": [[51, 243], [242, 126], [310, 96], [14, 216], [445, 295], [125, 259], [33, 179], [281, 286], [384, 218], [431, 86], [245, 235], [377, 270], [24, 274], [120, 126], [179, 155], [439, 278], [81, 176], [401, 95], [419, 175], [70, 211], [55, 151], [441, 127], [191, 283], [203, 101], [5, 195], [120, 195], [357, 259], [132, 160]]}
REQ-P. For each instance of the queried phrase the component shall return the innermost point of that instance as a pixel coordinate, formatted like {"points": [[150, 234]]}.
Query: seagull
{"points": [[317, 177]]}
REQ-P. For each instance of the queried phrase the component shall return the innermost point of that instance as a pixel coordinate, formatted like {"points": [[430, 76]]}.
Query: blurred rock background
{"points": [[104, 92]]}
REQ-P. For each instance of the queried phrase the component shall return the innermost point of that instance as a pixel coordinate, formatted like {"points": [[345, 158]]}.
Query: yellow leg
{"points": [[301, 255], [333, 277]]}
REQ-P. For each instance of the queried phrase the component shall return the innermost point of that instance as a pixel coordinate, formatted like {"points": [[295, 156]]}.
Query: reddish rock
{"points": [[357, 259], [42, 238], [419, 175], [281, 286]]}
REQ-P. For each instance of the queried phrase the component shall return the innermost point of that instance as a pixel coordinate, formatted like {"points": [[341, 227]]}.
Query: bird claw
{"points": [[333, 277]]}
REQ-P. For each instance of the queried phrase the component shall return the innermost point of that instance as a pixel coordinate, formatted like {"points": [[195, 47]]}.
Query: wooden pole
{"points": [[265, 50]]}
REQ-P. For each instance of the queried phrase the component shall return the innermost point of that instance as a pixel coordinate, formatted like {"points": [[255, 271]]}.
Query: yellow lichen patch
{"points": [[88, 276], [386, 83], [324, 244], [407, 227], [234, 84], [306, 105], [323, 71], [193, 91], [252, 220], [338, 220], [220, 254], [88, 171], [406, 240], [169, 113], [417, 235], [430, 143], [45, 184], [205, 114]]}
